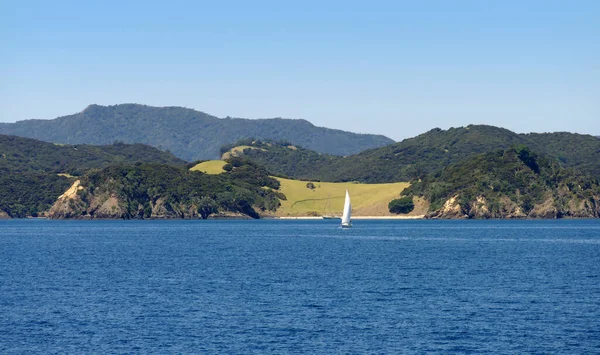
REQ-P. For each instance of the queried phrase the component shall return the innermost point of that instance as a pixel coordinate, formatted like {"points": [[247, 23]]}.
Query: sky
{"points": [[398, 68]]}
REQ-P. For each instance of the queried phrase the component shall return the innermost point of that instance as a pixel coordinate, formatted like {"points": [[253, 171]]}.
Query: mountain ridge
{"points": [[417, 156], [189, 134]]}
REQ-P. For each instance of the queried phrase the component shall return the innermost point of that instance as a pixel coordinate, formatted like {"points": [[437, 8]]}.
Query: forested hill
{"points": [[423, 154], [163, 191], [29, 169], [511, 183], [437, 148], [20, 154], [189, 134]]}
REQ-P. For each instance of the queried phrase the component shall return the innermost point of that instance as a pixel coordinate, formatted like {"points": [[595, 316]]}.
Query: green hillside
{"points": [[210, 167], [327, 198], [509, 183], [34, 173], [415, 157], [164, 191], [314, 198], [579, 151], [282, 158], [189, 134], [24, 154]]}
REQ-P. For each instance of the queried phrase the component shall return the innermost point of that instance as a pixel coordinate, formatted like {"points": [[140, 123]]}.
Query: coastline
{"points": [[225, 218], [390, 217], [355, 217]]}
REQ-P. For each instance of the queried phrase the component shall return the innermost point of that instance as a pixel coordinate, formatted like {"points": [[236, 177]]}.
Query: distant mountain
{"points": [[415, 157], [511, 183], [34, 173], [189, 134]]}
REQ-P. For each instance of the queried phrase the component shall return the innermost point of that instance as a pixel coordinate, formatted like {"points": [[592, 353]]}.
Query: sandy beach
{"points": [[358, 217]]}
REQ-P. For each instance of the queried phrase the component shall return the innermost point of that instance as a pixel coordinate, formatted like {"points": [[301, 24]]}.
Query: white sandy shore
{"points": [[389, 217], [297, 217], [360, 217]]}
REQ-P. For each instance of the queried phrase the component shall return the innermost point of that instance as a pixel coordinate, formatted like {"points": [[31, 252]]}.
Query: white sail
{"points": [[347, 211]]}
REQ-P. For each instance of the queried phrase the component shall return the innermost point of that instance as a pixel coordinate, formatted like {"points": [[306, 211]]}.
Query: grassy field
{"points": [[327, 198], [210, 167]]}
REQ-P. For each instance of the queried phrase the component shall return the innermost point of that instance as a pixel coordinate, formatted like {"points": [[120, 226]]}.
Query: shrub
{"points": [[401, 205]]}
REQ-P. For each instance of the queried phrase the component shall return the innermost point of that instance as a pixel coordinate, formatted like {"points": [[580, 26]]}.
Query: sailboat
{"points": [[347, 212]]}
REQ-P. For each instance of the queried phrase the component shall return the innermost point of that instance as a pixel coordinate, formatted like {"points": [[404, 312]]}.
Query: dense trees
{"points": [[29, 193], [29, 180], [516, 176], [33, 174], [141, 186], [28, 155], [415, 157]]}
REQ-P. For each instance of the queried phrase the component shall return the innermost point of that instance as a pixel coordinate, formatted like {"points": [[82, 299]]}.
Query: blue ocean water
{"points": [[299, 287]]}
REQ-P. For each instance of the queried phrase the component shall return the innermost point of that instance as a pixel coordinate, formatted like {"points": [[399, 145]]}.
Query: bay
{"points": [[274, 286]]}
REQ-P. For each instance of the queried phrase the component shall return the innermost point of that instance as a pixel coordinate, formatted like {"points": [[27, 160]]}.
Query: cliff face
{"points": [[450, 209], [163, 191], [79, 203], [550, 208]]}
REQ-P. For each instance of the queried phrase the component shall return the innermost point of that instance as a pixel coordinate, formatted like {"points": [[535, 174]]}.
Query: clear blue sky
{"points": [[395, 68]]}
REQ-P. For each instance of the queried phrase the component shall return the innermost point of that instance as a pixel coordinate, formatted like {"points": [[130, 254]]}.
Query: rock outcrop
{"points": [[79, 203], [550, 208], [451, 209]]}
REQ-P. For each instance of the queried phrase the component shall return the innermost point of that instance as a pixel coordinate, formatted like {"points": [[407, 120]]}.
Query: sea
{"points": [[300, 287]]}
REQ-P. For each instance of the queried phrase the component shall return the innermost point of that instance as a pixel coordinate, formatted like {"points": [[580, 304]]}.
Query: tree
{"points": [[401, 205], [207, 206], [528, 158]]}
